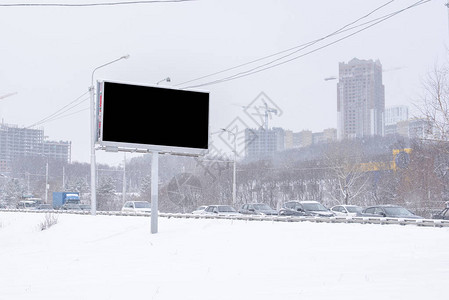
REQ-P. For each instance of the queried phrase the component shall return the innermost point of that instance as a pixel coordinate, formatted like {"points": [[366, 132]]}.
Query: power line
{"points": [[267, 65], [272, 64], [62, 110], [302, 46], [90, 4], [67, 115]]}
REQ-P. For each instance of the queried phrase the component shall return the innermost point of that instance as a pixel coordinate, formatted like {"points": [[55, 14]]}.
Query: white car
{"points": [[221, 210], [199, 210], [347, 210], [137, 207], [27, 204]]}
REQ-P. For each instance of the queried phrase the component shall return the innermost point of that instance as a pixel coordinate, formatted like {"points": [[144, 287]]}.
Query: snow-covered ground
{"points": [[112, 257]]}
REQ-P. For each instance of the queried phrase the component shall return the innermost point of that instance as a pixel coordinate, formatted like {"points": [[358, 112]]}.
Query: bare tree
{"points": [[345, 174], [434, 103]]}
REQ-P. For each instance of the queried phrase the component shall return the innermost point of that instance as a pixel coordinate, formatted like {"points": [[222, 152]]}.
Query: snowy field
{"points": [[111, 257]]}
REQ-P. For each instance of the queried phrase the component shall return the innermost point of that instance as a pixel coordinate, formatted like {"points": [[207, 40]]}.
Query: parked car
{"points": [[257, 209], [292, 208], [199, 210], [222, 210], [390, 211], [347, 210], [27, 204], [70, 206], [44, 207], [137, 207], [84, 207], [305, 208], [444, 214]]}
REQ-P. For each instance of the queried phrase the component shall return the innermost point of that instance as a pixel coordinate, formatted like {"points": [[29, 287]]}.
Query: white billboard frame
{"points": [[137, 147]]}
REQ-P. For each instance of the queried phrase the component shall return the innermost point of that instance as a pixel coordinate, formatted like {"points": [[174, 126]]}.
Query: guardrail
{"points": [[355, 220]]}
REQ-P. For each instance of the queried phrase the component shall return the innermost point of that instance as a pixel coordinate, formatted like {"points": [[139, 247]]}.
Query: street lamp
{"points": [[234, 190], [93, 196], [165, 79]]}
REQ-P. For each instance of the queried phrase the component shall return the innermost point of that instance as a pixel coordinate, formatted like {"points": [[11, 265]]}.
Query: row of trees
{"points": [[346, 172]]}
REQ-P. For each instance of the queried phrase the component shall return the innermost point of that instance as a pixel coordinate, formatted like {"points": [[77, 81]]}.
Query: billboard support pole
{"points": [[154, 190]]}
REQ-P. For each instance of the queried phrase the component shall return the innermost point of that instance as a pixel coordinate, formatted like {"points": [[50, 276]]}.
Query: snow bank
{"points": [[111, 257]]}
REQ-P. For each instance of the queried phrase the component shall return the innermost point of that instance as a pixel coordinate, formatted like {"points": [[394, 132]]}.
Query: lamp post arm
{"points": [[104, 65]]}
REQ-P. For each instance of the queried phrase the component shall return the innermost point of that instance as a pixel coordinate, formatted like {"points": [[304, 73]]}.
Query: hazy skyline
{"points": [[48, 55]]}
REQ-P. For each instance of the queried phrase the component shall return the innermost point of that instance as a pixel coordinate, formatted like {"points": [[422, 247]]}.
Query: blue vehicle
{"points": [[61, 198]]}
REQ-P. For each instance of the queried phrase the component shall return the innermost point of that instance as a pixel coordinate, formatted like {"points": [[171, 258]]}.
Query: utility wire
{"points": [[91, 4], [302, 46], [271, 64], [66, 115], [62, 110], [260, 67]]}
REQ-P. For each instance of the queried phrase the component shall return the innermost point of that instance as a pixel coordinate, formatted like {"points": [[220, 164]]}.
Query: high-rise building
{"points": [[17, 143], [360, 99]]}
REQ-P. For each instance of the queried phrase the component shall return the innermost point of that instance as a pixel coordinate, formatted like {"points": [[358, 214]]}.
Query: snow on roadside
{"points": [[112, 257]]}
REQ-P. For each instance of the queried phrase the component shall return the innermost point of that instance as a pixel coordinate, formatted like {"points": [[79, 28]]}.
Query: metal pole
{"points": [[63, 178], [93, 189], [28, 183], [124, 178], [46, 182], [154, 190], [234, 185], [447, 5]]}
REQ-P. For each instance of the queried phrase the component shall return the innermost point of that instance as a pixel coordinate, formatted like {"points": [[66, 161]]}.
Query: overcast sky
{"points": [[47, 55]]}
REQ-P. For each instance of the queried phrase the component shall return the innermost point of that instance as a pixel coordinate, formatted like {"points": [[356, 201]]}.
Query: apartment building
{"points": [[360, 99], [17, 142]]}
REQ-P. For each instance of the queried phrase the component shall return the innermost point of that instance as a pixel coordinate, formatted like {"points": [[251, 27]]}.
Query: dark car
{"points": [[257, 209], [390, 211], [220, 210], [44, 207], [305, 208], [84, 207], [444, 214], [70, 206]]}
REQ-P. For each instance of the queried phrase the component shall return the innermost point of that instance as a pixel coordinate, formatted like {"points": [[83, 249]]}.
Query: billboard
{"points": [[151, 118]]}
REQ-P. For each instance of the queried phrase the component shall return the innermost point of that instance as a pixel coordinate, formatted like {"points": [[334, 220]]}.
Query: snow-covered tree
{"points": [[106, 197]]}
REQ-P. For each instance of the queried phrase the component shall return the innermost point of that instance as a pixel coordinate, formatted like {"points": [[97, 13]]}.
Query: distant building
{"points": [[395, 114], [413, 129], [360, 99], [304, 138], [420, 129], [318, 138], [288, 139], [391, 129], [261, 143], [16, 143], [330, 135]]}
